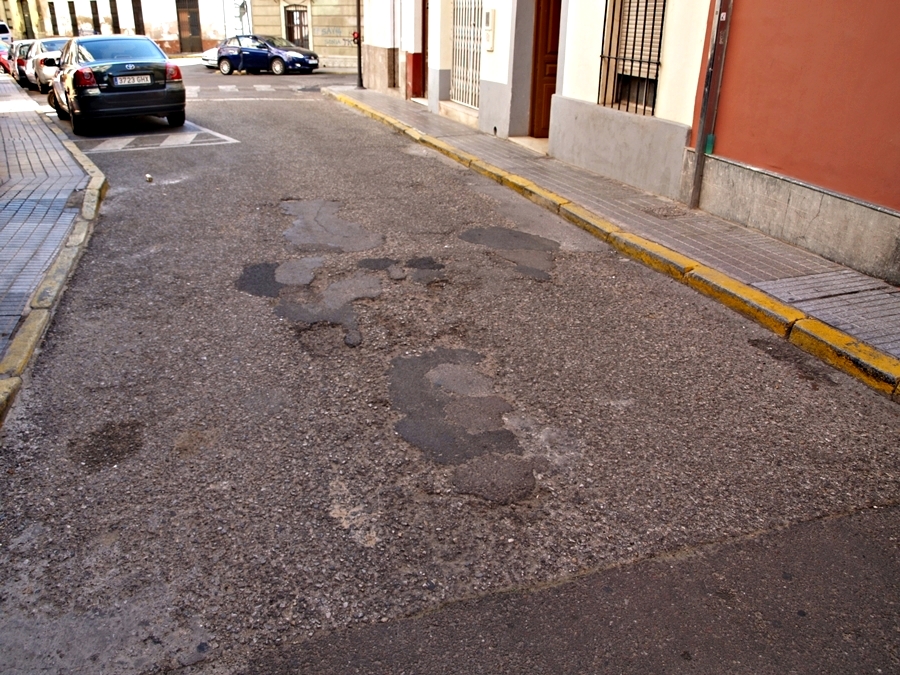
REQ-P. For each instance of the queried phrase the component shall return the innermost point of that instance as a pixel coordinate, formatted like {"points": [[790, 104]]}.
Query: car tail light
{"points": [[84, 77], [173, 72]]}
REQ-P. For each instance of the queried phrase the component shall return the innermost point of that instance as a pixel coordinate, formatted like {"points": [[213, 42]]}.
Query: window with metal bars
{"points": [[629, 62]]}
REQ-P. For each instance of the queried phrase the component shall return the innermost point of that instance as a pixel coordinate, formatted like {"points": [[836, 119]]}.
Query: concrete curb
{"points": [[876, 369], [45, 298]]}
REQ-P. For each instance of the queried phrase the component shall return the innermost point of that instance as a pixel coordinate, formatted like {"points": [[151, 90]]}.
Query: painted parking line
{"points": [[192, 135], [178, 139], [113, 144]]}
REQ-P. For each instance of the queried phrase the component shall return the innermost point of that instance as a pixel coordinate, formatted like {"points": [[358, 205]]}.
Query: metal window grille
{"points": [[630, 60], [465, 74]]}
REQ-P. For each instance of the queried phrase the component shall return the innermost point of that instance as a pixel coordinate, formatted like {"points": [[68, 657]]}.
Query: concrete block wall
{"points": [[862, 236]]}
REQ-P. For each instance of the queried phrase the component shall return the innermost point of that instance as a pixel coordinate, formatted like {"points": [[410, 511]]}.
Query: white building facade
{"points": [[611, 83]]}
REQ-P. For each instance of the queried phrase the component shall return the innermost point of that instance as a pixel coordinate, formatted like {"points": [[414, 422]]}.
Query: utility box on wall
{"points": [[487, 27]]}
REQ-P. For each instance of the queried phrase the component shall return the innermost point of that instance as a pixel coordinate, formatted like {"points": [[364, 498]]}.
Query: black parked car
{"points": [[103, 76]]}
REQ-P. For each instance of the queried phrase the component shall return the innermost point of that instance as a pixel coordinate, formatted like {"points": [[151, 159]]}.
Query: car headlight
{"points": [[296, 55]]}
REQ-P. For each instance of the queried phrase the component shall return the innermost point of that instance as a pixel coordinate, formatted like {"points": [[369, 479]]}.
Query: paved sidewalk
{"points": [[796, 293], [41, 187]]}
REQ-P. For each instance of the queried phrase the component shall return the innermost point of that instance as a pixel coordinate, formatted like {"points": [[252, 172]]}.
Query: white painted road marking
{"points": [[178, 139]]}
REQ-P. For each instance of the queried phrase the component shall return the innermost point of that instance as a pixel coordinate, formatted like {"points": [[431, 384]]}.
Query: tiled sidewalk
{"points": [[864, 307], [38, 176]]}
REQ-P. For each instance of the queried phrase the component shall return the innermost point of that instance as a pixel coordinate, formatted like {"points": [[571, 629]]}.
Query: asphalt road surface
{"points": [[319, 400]]}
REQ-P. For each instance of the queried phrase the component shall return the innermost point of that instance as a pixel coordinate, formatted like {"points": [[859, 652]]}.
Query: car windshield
{"points": [[119, 50], [279, 42], [54, 45]]}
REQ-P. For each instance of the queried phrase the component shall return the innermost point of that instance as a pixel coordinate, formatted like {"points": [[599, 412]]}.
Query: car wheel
{"points": [[61, 112], [44, 88], [176, 119], [79, 125], [225, 67], [277, 67]]}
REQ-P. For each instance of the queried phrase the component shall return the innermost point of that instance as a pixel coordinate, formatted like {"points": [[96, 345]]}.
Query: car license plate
{"points": [[133, 79], [313, 62]]}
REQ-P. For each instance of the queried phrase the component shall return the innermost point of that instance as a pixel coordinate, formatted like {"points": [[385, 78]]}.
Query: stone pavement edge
{"points": [[876, 368], [43, 301]]}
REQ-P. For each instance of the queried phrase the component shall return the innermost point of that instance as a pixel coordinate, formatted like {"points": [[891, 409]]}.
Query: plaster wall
{"points": [[440, 52], [646, 152], [684, 32], [847, 231], [810, 91], [583, 26]]}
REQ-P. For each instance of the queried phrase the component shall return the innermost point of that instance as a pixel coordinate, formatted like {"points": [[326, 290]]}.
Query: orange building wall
{"points": [[811, 90]]}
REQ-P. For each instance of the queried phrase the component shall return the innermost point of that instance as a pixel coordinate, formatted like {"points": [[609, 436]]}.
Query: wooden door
{"points": [[546, 56]]}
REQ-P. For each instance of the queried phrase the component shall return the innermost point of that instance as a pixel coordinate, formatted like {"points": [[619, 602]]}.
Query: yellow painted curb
{"points": [[588, 221], [489, 170], [9, 387], [414, 134], [25, 341], [751, 302], [549, 200], [368, 111], [877, 369], [55, 279], [463, 158], [653, 255]]}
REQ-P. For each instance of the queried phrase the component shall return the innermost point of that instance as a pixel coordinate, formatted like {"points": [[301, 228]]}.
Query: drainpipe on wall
{"points": [[359, 78], [710, 104]]}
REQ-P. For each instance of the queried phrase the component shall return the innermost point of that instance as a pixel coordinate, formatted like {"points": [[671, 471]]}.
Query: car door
{"points": [[255, 52]]}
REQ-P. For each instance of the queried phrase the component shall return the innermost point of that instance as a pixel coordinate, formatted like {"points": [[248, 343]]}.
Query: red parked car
{"points": [[4, 57]]}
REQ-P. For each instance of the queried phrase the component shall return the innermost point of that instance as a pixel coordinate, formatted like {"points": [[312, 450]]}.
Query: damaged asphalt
{"points": [[383, 415]]}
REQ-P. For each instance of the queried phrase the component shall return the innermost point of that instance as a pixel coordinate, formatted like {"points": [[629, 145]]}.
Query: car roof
{"points": [[92, 38]]}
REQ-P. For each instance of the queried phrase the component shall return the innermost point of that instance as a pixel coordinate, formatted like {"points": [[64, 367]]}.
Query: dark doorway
{"points": [[114, 15], [296, 25], [95, 17], [138, 12], [25, 13], [73, 18], [54, 24], [424, 48], [546, 55], [189, 26]]}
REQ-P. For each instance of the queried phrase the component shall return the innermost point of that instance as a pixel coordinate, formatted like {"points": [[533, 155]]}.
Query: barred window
{"points": [[629, 62]]}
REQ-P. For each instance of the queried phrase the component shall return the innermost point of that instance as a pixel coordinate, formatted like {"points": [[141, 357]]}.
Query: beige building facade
{"points": [[325, 26]]}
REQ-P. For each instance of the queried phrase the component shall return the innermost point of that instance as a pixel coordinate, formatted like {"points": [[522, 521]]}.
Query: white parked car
{"points": [[210, 57], [40, 62]]}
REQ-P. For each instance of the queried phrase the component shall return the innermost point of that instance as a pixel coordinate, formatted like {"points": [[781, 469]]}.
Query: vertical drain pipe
{"points": [[710, 104]]}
